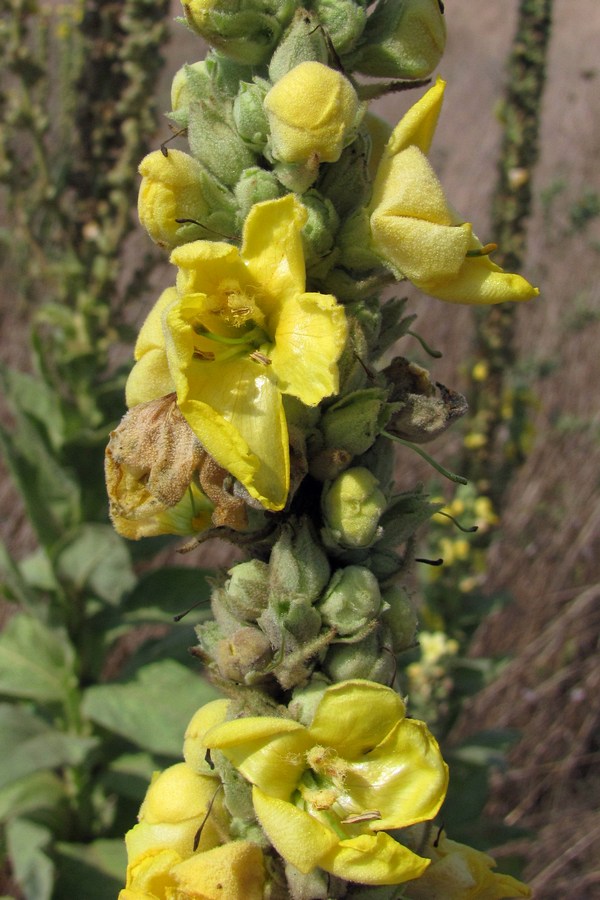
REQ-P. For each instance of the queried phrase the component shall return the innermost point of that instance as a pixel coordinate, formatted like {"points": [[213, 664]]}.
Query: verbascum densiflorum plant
{"points": [[264, 405]]}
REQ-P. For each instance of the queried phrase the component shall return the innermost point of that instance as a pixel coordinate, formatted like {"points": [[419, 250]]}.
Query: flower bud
{"points": [[355, 421], [352, 600], [400, 617], [352, 507], [305, 699], [351, 168], [401, 40], [314, 113], [343, 20], [176, 187], [318, 234], [304, 41], [298, 566], [244, 653], [254, 186], [365, 659], [190, 82], [247, 590], [249, 115], [244, 30]]}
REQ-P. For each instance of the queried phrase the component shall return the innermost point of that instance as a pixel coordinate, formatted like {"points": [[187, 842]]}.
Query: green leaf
{"points": [[15, 585], [37, 571], [96, 558], [32, 870], [129, 775], [36, 662], [49, 492], [153, 710], [29, 744], [166, 592], [99, 867], [36, 399], [41, 794]]}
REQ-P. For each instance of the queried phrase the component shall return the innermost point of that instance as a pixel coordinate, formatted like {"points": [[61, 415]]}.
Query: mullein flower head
{"points": [[241, 333], [327, 794]]}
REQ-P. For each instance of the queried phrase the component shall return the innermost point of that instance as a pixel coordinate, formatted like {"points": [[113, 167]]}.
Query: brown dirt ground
{"points": [[547, 552]]}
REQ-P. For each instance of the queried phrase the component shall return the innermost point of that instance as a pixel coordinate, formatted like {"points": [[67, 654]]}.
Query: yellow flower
{"points": [[241, 332], [459, 872], [313, 111], [325, 795], [416, 232]]}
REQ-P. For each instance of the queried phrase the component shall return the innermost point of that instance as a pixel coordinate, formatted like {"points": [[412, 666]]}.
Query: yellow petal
{"points": [[301, 839], [404, 778], [310, 336], [149, 379], [194, 748], [272, 250], [150, 874], [151, 334], [418, 125], [374, 859], [234, 871], [480, 282], [355, 716], [268, 751]]}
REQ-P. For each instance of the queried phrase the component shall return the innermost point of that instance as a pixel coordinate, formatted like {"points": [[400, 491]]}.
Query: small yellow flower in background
{"points": [[459, 872], [241, 332], [416, 232], [172, 188], [313, 111], [326, 794]]}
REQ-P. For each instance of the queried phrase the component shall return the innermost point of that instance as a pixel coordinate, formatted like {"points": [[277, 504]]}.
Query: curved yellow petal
{"points": [[150, 874], [194, 748], [204, 265], [269, 752], [272, 250], [234, 871], [405, 778], [417, 126], [151, 334], [301, 839], [309, 340], [355, 716], [374, 859], [149, 379], [480, 282]]}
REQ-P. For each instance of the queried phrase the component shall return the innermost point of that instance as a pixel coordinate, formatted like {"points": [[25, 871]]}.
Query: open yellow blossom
{"points": [[416, 232], [326, 795], [241, 332], [459, 872], [313, 112]]}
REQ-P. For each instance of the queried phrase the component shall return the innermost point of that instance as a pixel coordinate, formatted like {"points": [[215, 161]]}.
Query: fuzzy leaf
{"points": [[99, 867], [153, 710], [36, 662], [32, 870], [96, 558]]}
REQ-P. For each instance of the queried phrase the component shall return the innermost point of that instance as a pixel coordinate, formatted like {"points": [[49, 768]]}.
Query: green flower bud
{"points": [[254, 186], [318, 234], [189, 83], [352, 600], [352, 507], [400, 617], [304, 41], [369, 658], [247, 589], [354, 239], [402, 39], [298, 566], [244, 653], [244, 30], [305, 699], [249, 115], [214, 141], [355, 421], [344, 21], [351, 168]]}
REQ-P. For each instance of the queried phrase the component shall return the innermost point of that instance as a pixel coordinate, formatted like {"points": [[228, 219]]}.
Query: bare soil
{"points": [[546, 553]]}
